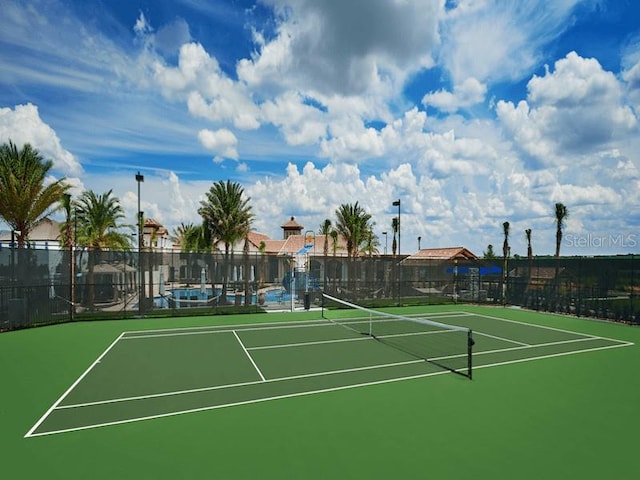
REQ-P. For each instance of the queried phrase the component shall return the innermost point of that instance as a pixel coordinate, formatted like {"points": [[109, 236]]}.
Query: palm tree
{"points": [[371, 243], [192, 238], [394, 228], [505, 260], [353, 224], [98, 223], [227, 214], [561, 215], [527, 233], [24, 198]]}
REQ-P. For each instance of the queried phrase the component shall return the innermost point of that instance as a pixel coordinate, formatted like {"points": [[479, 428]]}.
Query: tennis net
{"points": [[448, 346]]}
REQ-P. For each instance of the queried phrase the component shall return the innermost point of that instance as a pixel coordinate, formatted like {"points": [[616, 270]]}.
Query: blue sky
{"points": [[472, 112]]}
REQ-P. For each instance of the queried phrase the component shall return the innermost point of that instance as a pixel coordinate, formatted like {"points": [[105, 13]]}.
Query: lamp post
{"points": [[399, 271], [13, 262], [70, 240], [385, 242], [397, 204], [140, 179], [419, 240]]}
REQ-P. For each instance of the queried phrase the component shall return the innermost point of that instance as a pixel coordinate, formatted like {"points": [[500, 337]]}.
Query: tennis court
{"points": [[150, 374]]}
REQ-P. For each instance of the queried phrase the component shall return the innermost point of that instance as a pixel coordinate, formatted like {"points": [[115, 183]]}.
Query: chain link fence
{"points": [[40, 287]]}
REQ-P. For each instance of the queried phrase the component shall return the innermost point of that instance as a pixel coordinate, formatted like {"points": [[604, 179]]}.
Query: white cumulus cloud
{"points": [[24, 125], [221, 142]]}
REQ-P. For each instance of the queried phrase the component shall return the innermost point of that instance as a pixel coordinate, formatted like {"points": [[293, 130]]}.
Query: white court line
{"points": [[129, 335], [57, 402], [245, 402], [534, 325], [242, 384], [239, 325], [314, 392], [322, 323], [350, 339], [249, 355], [551, 355], [279, 324], [500, 338], [56, 405]]}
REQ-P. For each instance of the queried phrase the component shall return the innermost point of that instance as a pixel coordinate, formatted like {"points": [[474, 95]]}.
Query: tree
{"points": [[24, 198], [192, 238], [527, 233], [353, 224], [505, 260], [371, 243], [489, 254], [98, 223], [227, 214], [561, 215], [394, 228]]}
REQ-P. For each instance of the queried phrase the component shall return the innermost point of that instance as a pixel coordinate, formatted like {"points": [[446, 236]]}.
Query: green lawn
{"points": [[565, 417]]}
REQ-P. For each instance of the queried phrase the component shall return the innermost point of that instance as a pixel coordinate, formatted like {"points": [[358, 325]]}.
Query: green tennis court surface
{"points": [[151, 374]]}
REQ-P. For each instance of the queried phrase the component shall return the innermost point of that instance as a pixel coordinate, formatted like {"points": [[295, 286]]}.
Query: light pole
{"points": [[385, 242], [13, 262], [419, 239], [399, 271], [140, 179], [397, 204], [70, 234]]}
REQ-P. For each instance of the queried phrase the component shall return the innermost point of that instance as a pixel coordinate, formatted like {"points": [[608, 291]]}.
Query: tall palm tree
{"points": [[98, 224], [192, 238], [371, 243], [227, 214], [527, 233], [353, 223], [24, 198], [561, 215], [505, 260], [394, 227]]}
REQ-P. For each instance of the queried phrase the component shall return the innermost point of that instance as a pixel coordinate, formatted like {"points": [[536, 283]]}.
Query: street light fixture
{"points": [[397, 204], [419, 240]]}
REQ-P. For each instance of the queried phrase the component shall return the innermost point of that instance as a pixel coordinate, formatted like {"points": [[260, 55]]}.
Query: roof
{"points": [[256, 238], [448, 253], [44, 230], [292, 225], [295, 243], [156, 225]]}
